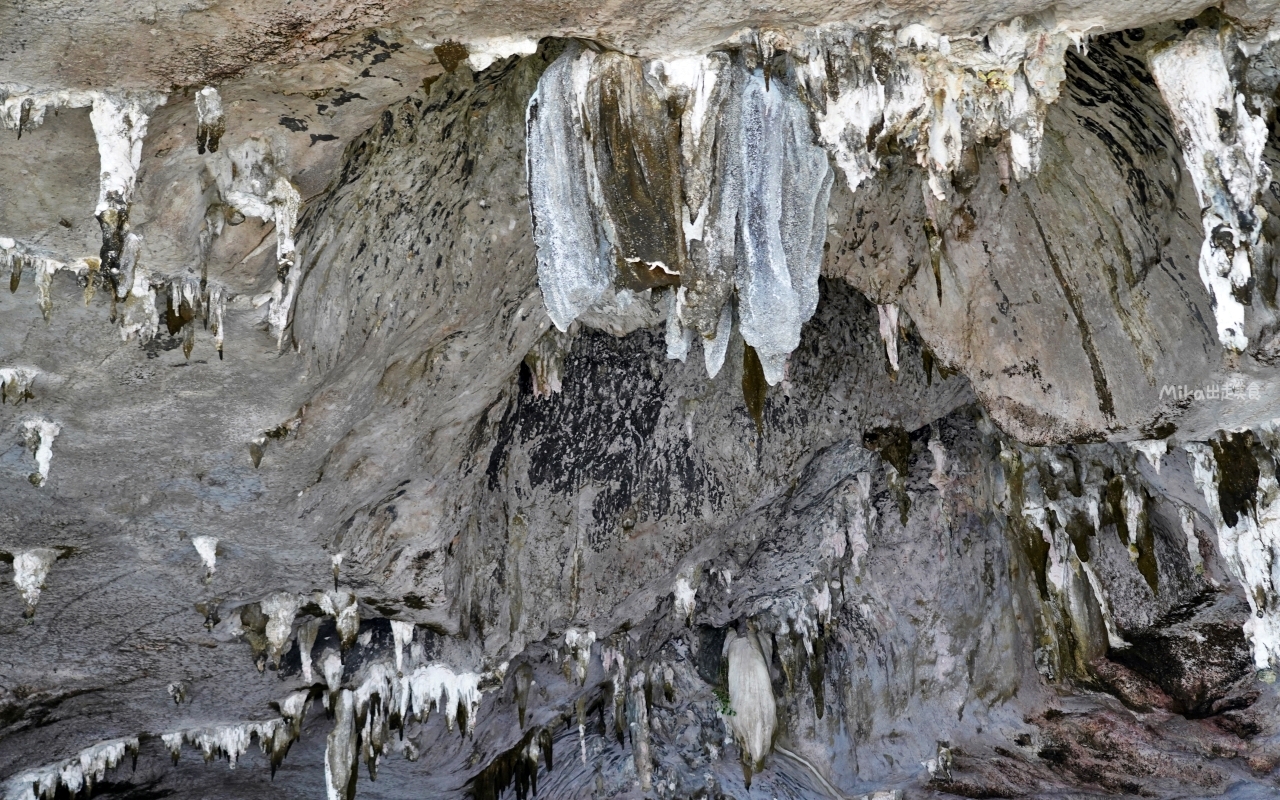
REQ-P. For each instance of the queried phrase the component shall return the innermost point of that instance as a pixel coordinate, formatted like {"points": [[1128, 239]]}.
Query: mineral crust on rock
{"points": [[807, 401]]}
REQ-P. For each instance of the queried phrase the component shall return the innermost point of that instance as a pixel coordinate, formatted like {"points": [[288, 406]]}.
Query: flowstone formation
{"points": [[355, 432]]}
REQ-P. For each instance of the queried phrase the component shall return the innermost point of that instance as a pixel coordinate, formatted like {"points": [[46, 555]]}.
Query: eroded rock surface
{"points": [[691, 403]]}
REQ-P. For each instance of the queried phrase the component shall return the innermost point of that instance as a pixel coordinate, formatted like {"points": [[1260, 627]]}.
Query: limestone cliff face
{"points": [[639, 402]]}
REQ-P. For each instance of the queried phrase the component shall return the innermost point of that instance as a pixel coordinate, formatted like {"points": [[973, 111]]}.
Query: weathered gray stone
{"points": [[508, 557]]}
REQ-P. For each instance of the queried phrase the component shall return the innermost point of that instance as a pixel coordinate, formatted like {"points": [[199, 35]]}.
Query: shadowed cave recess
{"points": [[407, 399]]}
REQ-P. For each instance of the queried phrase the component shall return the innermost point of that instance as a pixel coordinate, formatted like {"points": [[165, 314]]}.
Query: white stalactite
{"points": [[128, 268], [678, 337], [755, 715], [30, 570], [1152, 449], [685, 594], [307, 633], [714, 350], [331, 668], [294, 708], [217, 311], [787, 182], [402, 635], [1134, 512], [342, 606], [280, 609], [340, 751], [579, 645], [889, 331], [207, 547], [39, 434], [482, 54], [141, 318], [1222, 144], [252, 180], [210, 119], [573, 269], [120, 126]]}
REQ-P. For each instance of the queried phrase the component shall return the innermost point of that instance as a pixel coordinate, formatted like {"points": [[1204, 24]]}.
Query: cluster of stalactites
{"points": [[389, 697], [76, 774], [631, 685], [269, 624], [1237, 474], [119, 122], [20, 261], [1067, 573], [210, 120], [187, 299], [578, 643], [16, 383], [250, 181], [275, 736], [137, 298], [933, 94], [231, 741], [253, 180], [382, 695], [702, 177], [697, 177]]}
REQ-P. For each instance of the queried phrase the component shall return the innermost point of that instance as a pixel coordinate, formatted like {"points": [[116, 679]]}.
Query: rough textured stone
{"points": [[509, 559]]}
